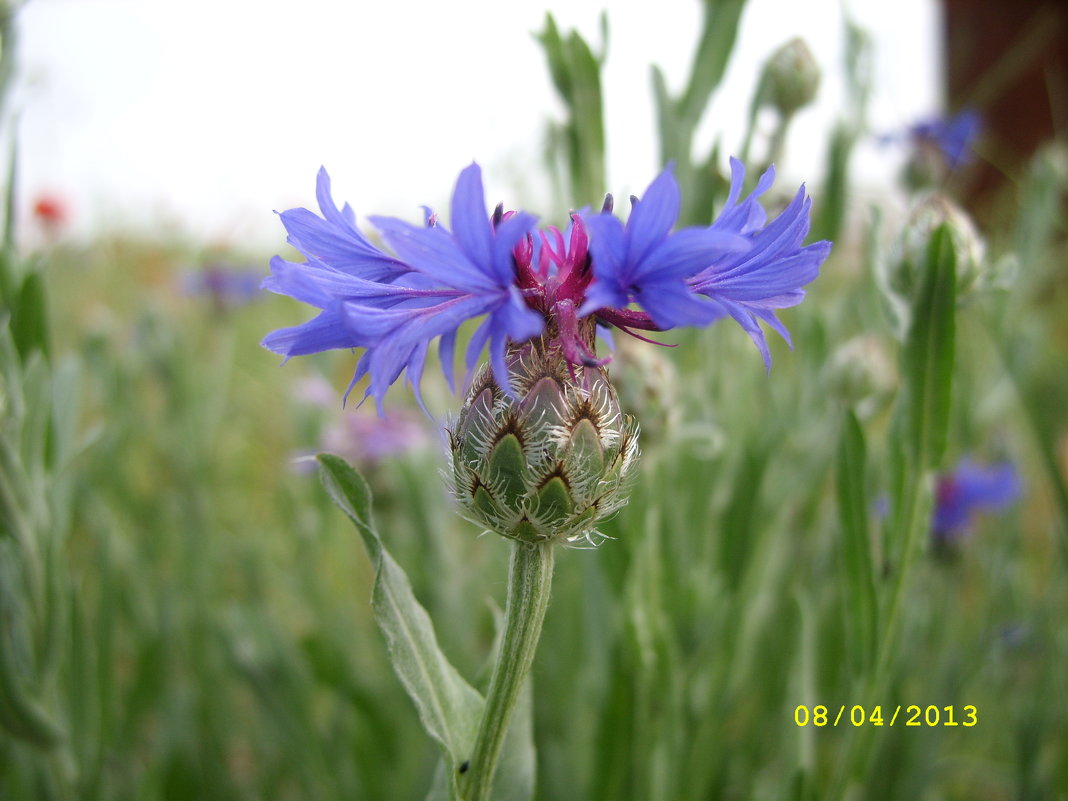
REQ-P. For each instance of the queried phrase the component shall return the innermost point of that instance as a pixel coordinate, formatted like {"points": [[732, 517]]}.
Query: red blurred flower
{"points": [[51, 211]]}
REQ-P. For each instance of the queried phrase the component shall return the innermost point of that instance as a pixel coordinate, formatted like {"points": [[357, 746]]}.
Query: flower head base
{"points": [[546, 463]]}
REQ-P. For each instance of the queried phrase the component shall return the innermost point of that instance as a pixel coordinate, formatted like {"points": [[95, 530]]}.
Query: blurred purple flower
{"points": [[228, 287], [362, 438], [971, 488], [952, 136]]}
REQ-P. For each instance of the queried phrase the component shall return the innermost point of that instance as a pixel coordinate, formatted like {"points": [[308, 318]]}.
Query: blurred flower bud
{"points": [[909, 252], [547, 463], [791, 77], [862, 374], [360, 436], [924, 168], [649, 388]]}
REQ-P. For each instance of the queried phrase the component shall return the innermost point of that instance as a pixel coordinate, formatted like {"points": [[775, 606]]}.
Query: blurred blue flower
{"points": [[952, 136], [364, 440], [228, 287], [971, 488]]}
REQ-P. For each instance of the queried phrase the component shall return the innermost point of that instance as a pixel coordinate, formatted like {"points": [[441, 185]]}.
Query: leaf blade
{"points": [[448, 706]]}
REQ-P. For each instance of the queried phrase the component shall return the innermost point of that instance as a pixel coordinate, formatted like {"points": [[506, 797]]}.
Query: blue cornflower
{"points": [[394, 306], [969, 489], [526, 283], [228, 287], [953, 136], [739, 266]]}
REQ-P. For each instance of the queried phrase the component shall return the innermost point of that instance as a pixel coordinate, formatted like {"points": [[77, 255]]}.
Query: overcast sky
{"points": [[210, 115]]}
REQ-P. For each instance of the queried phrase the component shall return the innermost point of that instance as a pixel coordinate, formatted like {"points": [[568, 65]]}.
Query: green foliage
{"points": [[678, 117], [576, 74], [854, 513], [928, 354], [448, 706], [213, 637], [182, 616]]}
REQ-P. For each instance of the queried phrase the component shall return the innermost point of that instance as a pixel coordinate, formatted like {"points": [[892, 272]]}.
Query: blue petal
{"points": [[505, 238], [688, 252], [608, 252], [603, 295], [327, 331], [654, 216], [476, 343], [671, 304], [433, 252], [335, 239], [470, 224], [314, 283], [447, 357]]}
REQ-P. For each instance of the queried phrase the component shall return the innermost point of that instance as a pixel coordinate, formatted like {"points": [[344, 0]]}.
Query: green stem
{"points": [[529, 580], [858, 753]]}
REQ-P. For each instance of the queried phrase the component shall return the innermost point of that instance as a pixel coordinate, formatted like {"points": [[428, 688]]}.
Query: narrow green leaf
{"points": [[587, 111], [834, 198], [448, 706], [516, 772], [554, 52], [576, 74], [928, 353], [8, 279], [861, 608], [21, 712], [7, 242], [721, 19], [739, 531], [29, 319], [669, 130]]}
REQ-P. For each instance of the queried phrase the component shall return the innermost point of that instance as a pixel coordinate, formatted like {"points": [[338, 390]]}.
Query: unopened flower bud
{"points": [[547, 463], [791, 77], [911, 248], [650, 389], [862, 374]]}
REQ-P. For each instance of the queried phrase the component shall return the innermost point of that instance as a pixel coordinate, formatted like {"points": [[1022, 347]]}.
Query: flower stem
{"points": [[529, 580]]}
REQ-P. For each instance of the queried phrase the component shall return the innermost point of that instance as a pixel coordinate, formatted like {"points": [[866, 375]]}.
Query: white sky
{"points": [[211, 114]]}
